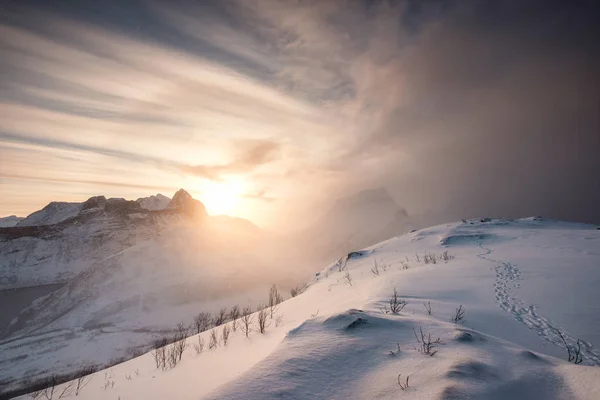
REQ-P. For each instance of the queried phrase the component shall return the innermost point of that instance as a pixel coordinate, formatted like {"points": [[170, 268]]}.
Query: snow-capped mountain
{"points": [[71, 237], [154, 203], [10, 221], [53, 213], [528, 289]]}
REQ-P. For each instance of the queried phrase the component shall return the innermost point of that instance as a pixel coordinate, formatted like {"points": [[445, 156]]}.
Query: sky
{"points": [[270, 110]]}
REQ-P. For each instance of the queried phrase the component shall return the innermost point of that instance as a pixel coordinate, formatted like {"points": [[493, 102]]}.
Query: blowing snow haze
{"points": [[170, 172]]}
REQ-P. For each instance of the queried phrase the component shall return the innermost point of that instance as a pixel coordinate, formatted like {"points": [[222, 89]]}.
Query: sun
{"points": [[222, 197]]}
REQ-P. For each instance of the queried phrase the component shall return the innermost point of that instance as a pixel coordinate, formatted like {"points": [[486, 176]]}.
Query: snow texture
{"points": [[154, 203], [520, 282]]}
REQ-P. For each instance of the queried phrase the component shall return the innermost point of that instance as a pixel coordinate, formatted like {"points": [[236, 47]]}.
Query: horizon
{"points": [[269, 110]]}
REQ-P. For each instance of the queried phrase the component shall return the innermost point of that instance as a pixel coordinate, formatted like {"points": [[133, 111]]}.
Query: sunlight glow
{"points": [[222, 197]]}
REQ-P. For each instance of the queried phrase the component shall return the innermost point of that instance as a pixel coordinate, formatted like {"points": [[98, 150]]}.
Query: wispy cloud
{"points": [[308, 98]]}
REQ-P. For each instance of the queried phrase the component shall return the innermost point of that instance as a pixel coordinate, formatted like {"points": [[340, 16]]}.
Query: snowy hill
{"points": [[154, 203], [528, 288], [10, 221]]}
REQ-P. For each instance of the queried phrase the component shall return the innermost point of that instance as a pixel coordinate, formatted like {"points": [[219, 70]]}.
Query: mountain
{"points": [[53, 213], [10, 221], [123, 268], [184, 202], [84, 234], [357, 221], [154, 203], [339, 338]]}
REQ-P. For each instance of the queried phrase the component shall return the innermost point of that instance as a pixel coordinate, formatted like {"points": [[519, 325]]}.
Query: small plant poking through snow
{"points": [[202, 322], [262, 318], [295, 291], [178, 345], [402, 385], [347, 277], [274, 300], [221, 317], [375, 269], [84, 378], [427, 307], [278, 320], [247, 320], [430, 258], [160, 353], [213, 339], [48, 392], [234, 314], [199, 347], [426, 345], [396, 304], [342, 262], [447, 257], [459, 316], [225, 334], [574, 354], [109, 381]]}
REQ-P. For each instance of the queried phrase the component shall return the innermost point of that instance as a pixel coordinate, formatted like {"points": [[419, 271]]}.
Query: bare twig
{"points": [[247, 320], [574, 354], [427, 307], [262, 319], [426, 345], [274, 299], [347, 277], [459, 316], [404, 385], [375, 269], [396, 304], [225, 334]]}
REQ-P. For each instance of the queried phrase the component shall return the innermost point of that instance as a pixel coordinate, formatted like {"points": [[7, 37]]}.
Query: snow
{"points": [[10, 221], [520, 282], [154, 203], [53, 213]]}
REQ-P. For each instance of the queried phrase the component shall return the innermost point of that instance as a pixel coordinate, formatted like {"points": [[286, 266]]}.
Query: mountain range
{"points": [[140, 267]]}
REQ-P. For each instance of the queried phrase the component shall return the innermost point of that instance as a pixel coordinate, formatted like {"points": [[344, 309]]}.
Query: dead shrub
{"points": [[396, 304], [426, 345]]}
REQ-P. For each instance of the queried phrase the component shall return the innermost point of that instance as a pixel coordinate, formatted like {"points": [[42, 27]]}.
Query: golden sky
{"points": [[263, 109]]}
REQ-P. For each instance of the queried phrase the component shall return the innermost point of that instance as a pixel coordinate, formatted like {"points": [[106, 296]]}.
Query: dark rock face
{"points": [[94, 202], [122, 205]]}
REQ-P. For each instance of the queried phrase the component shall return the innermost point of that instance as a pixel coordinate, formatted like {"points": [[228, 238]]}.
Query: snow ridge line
{"points": [[507, 277]]}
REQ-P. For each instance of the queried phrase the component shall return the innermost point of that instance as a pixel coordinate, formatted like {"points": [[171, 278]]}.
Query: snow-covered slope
{"points": [[154, 202], [10, 221], [522, 283], [48, 254], [53, 213]]}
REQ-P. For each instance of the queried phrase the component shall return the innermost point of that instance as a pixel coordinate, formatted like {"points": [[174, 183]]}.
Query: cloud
{"points": [[250, 154], [260, 196], [459, 108]]}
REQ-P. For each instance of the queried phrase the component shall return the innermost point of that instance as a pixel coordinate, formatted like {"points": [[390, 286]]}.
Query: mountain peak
{"points": [[184, 201]]}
